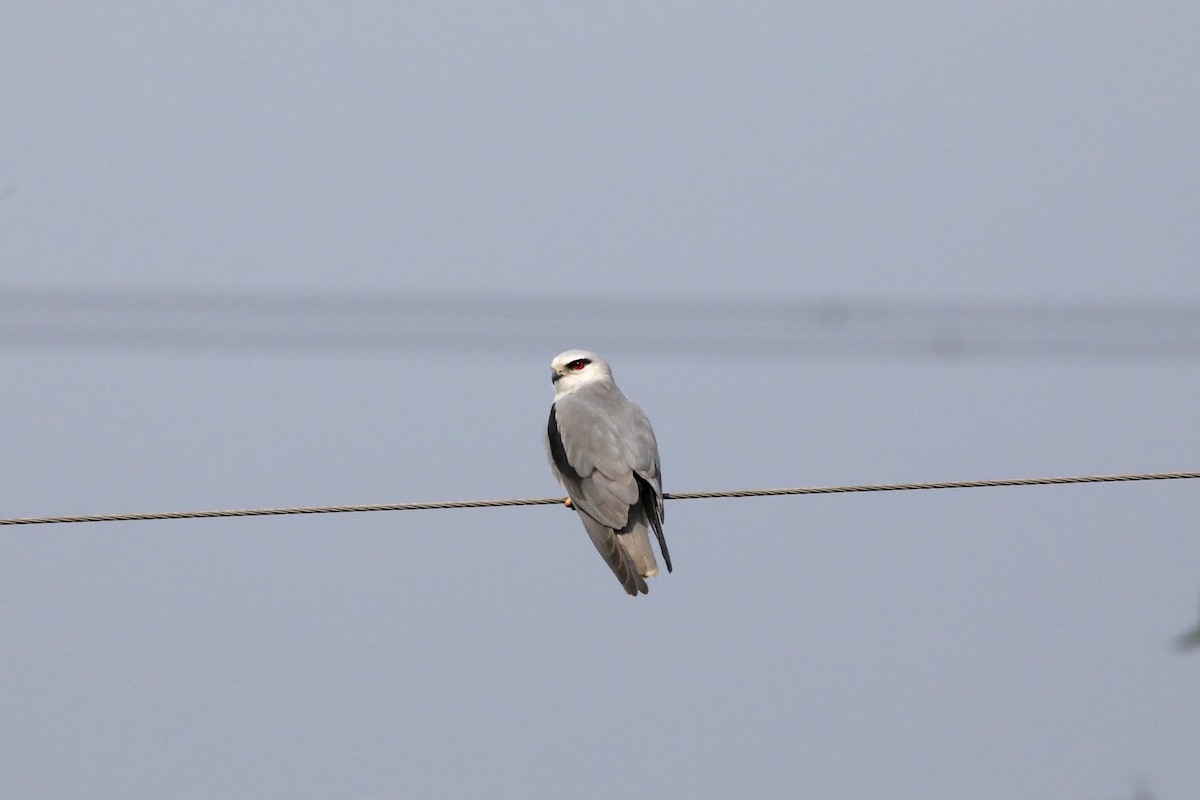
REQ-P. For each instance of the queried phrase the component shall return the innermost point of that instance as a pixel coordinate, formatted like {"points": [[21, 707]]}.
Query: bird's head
{"points": [[575, 368]]}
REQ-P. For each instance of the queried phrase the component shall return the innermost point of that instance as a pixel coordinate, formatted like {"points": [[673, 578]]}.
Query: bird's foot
{"points": [[568, 504]]}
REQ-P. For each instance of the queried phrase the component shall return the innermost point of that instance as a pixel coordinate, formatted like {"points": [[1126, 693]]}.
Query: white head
{"points": [[575, 368]]}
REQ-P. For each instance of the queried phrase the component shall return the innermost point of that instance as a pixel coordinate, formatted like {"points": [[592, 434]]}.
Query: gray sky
{"points": [[986, 643]]}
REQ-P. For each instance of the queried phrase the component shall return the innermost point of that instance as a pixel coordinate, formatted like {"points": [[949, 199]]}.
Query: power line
{"points": [[300, 322], [545, 501]]}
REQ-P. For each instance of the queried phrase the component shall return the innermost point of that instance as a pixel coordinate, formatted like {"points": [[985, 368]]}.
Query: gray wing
{"points": [[604, 453]]}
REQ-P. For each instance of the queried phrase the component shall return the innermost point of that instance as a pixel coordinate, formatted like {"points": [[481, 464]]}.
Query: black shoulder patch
{"points": [[557, 451]]}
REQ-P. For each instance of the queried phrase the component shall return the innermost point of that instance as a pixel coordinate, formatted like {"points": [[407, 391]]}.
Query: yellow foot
{"points": [[568, 503]]}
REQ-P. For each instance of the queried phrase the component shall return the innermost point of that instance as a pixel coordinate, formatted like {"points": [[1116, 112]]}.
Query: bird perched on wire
{"points": [[603, 452]]}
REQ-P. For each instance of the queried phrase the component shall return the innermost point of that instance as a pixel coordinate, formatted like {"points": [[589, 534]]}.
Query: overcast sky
{"points": [[567, 160]]}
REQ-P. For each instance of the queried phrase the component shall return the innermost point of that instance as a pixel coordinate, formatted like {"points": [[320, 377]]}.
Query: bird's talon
{"points": [[568, 503]]}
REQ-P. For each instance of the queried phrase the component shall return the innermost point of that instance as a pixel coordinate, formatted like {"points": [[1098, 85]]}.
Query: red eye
{"points": [[578, 364]]}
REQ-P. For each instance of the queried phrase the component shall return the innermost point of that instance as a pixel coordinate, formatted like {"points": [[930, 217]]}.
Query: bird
{"points": [[603, 452]]}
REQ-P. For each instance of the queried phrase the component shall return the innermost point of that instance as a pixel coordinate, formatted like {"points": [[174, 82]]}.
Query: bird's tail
{"points": [[611, 546], [635, 538]]}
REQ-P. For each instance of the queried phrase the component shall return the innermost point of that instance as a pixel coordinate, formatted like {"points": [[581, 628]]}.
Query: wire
{"points": [[546, 501]]}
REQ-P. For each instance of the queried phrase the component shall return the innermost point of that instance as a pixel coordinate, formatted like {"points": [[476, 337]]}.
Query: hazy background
{"points": [[561, 163]]}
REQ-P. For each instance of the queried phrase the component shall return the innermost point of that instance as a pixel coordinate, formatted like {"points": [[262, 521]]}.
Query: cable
{"points": [[546, 501]]}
